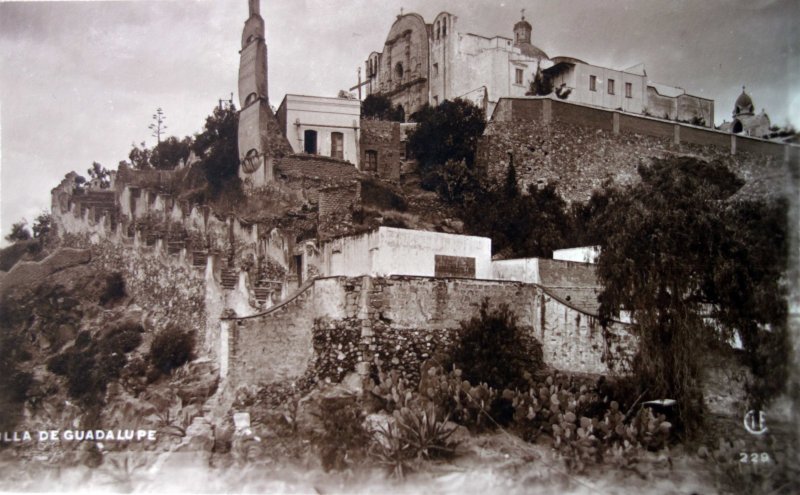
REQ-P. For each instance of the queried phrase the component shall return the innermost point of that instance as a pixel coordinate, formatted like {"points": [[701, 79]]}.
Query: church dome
{"points": [[523, 25], [744, 104], [532, 51]]}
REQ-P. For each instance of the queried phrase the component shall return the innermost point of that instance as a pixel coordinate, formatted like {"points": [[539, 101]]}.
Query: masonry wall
{"points": [[277, 345], [578, 148], [336, 206], [339, 325], [168, 288], [384, 138]]}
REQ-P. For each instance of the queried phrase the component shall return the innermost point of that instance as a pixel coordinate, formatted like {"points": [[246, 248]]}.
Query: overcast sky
{"points": [[79, 81]]}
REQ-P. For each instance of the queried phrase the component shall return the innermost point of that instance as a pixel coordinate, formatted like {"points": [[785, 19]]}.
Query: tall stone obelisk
{"points": [[259, 137]]}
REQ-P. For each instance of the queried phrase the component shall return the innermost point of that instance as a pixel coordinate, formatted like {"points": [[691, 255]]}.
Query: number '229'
{"points": [[754, 457]]}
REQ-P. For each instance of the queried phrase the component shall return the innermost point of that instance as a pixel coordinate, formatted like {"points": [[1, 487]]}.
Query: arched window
{"points": [[444, 27], [737, 127], [310, 142], [337, 145], [398, 70], [437, 31]]}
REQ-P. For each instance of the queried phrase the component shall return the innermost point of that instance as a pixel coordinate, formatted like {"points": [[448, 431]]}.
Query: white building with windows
{"points": [[319, 125], [430, 63]]}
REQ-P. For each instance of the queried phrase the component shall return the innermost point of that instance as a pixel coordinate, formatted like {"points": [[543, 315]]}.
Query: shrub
{"points": [[493, 350], [122, 339], [114, 290], [171, 348], [59, 363], [373, 193], [344, 438], [417, 434]]}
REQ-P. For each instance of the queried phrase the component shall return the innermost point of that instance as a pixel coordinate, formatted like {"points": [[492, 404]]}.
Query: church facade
{"points": [[429, 63]]}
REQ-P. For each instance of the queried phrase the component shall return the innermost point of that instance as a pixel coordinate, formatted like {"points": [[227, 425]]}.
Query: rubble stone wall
{"points": [[579, 148], [339, 325]]}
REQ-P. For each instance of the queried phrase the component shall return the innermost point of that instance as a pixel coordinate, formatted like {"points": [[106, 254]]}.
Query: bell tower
{"points": [[259, 138]]}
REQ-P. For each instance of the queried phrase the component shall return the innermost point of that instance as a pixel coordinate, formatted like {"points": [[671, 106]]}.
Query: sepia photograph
{"points": [[415, 246]]}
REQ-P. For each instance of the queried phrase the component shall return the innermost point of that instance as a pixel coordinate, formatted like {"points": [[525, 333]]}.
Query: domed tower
{"points": [[522, 30], [522, 39], [745, 120], [744, 105]]}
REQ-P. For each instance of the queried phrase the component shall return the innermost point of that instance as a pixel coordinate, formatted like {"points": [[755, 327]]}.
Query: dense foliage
{"points": [[681, 253], [520, 225], [492, 349], [445, 133], [379, 107], [218, 148], [168, 153], [171, 348], [19, 232], [91, 364]]}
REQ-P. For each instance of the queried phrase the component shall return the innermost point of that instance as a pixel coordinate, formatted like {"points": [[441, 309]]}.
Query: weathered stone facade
{"points": [[381, 148], [336, 207], [579, 147]]}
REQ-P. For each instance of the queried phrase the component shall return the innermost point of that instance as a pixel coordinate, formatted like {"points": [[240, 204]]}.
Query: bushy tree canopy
{"points": [[218, 148], [19, 232], [379, 107], [677, 252], [446, 133], [169, 152]]}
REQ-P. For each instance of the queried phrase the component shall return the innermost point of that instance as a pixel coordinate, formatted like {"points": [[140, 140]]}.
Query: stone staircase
{"points": [[199, 259], [230, 278], [265, 288], [175, 247]]}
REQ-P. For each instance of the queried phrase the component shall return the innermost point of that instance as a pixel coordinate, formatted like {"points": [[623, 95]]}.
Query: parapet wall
{"points": [[578, 147], [338, 325]]}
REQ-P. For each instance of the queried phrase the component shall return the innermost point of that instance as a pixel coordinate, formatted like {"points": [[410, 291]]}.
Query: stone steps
{"points": [[199, 259], [229, 278]]}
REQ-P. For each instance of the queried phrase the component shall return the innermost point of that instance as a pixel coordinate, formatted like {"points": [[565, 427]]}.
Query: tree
{"points": [[140, 156], [448, 132], [169, 152], [99, 173], [379, 107], [19, 232], [542, 84], [158, 126], [519, 225], [676, 253], [42, 227], [218, 147]]}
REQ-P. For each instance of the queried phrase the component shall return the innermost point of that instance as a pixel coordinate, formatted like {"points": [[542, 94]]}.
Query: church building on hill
{"points": [[428, 63]]}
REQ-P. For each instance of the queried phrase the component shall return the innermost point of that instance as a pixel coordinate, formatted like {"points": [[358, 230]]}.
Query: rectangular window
{"points": [[611, 86], [403, 150], [371, 161], [310, 142], [628, 90], [518, 76], [435, 70], [592, 83], [337, 145], [435, 101]]}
